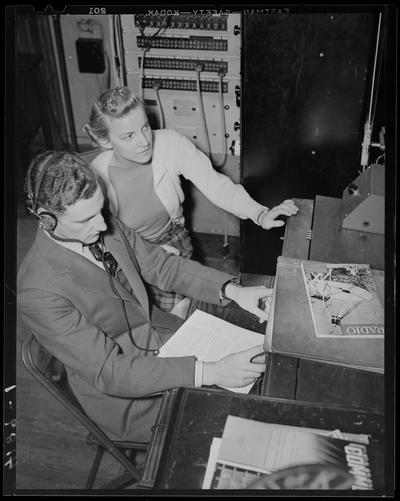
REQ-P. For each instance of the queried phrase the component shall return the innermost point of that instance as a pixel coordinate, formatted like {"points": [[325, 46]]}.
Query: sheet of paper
{"points": [[270, 324], [268, 447], [212, 462], [210, 338]]}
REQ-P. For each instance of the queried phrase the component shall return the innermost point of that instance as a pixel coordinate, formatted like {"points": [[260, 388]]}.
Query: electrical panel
{"points": [[164, 53]]}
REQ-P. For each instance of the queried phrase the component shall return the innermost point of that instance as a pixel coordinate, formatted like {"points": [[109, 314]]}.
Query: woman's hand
{"points": [[170, 249], [267, 218], [234, 370], [248, 298]]}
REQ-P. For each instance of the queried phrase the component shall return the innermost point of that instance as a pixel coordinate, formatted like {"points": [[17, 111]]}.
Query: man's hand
{"points": [[249, 297], [235, 370], [286, 208]]}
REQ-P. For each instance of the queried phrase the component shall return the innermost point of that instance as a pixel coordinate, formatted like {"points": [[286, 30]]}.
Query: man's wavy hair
{"points": [[58, 179]]}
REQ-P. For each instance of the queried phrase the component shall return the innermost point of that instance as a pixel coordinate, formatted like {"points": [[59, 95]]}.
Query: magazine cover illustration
{"points": [[249, 450], [343, 300]]}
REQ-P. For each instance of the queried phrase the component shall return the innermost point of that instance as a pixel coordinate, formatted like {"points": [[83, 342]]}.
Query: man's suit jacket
{"points": [[68, 303]]}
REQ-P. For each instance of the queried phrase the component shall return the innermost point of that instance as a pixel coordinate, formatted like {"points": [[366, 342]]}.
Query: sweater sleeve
{"points": [[218, 188]]}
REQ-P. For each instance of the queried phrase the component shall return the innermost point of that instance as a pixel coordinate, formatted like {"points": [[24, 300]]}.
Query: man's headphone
{"points": [[48, 221]]}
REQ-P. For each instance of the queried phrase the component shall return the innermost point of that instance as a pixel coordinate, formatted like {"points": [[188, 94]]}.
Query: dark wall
{"points": [[38, 109], [306, 81]]}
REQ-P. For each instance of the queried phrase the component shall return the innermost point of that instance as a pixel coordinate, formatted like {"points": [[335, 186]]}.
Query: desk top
{"points": [[284, 378], [195, 416]]}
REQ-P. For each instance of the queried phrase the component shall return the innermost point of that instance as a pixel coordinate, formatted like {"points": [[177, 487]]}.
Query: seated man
{"points": [[80, 290]]}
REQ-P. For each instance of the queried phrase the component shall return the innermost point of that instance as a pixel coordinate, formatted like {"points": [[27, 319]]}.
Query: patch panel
{"points": [[183, 21], [183, 43], [169, 63], [183, 84], [161, 55]]}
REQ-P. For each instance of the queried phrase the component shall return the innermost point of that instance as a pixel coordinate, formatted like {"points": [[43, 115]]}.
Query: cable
{"points": [[207, 146], [115, 291], [118, 50], [221, 163], [156, 86], [203, 126], [225, 245], [147, 46], [141, 76], [150, 37], [53, 235], [372, 103], [117, 60]]}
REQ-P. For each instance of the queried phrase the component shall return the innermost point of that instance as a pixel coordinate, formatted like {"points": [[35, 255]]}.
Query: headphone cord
{"points": [[115, 291], [113, 288], [53, 235]]}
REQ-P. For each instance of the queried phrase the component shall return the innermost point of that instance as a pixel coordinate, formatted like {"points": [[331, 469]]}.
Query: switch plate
{"points": [[90, 54]]}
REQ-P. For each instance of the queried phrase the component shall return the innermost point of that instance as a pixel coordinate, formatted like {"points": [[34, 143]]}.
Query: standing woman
{"points": [[141, 170]]}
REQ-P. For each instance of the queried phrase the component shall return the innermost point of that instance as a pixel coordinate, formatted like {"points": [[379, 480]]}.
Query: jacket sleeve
{"points": [[174, 273], [88, 351], [218, 188]]}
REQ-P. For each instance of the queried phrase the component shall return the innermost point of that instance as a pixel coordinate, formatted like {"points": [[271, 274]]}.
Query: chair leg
{"points": [[95, 467]]}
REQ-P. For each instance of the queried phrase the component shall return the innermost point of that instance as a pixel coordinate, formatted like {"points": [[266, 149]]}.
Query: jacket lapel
{"points": [[88, 275]]}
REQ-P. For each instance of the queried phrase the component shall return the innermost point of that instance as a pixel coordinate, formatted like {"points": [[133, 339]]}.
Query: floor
{"points": [[51, 448]]}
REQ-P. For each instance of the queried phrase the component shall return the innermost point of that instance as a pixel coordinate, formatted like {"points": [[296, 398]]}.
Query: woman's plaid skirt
{"points": [[177, 236]]}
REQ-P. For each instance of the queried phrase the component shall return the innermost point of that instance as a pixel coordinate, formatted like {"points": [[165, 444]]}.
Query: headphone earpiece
{"points": [[47, 221]]}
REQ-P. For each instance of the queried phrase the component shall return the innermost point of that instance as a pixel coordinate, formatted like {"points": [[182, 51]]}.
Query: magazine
{"points": [[249, 450], [343, 300]]}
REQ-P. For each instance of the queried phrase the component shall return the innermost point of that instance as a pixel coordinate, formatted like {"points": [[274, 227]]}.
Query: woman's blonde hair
{"points": [[113, 103]]}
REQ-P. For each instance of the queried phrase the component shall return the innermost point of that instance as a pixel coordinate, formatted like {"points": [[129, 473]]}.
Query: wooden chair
{"points": [[51, 374]]}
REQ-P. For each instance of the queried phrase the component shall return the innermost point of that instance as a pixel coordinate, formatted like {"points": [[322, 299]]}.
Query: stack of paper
{"points": [[210, 338]]}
